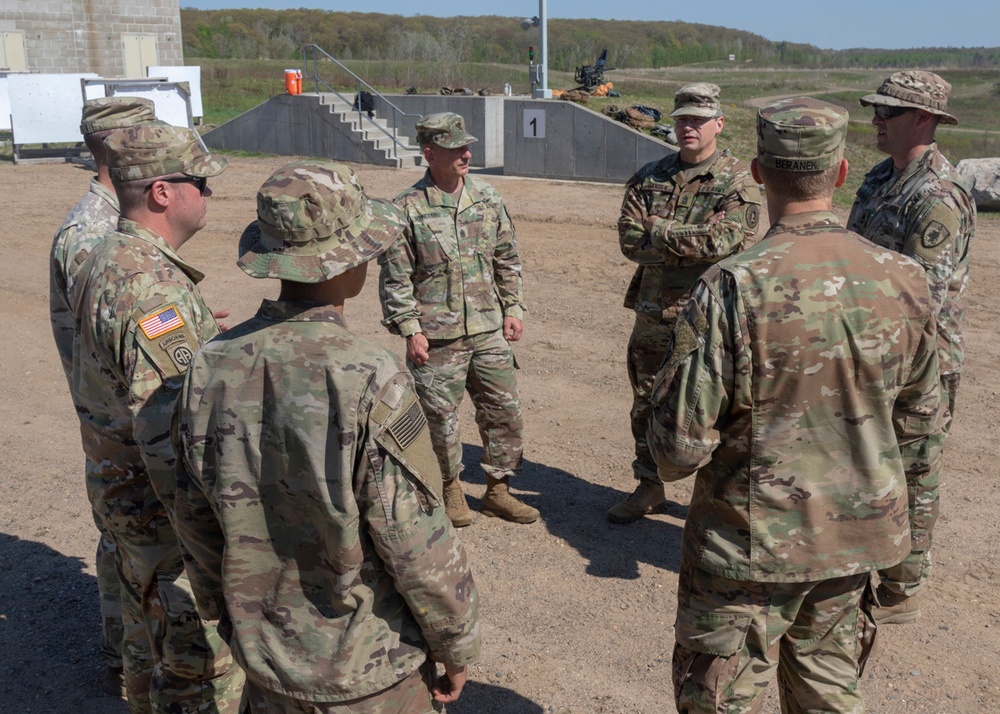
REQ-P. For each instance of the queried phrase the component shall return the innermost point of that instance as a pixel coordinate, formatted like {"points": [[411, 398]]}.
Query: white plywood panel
{"points": [[46, 108], [4, 103], [191, 75], [172, 100]]}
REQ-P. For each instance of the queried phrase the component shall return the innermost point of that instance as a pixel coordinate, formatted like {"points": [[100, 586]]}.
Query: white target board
{"points": [[191, 75], [46, 108]]}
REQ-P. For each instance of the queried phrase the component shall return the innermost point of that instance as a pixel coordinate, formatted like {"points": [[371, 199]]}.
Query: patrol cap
{"points": [[700, 99], [915, 89], [108, 113], [446, 129], [801, 134], [153, 150], [315, 222]]}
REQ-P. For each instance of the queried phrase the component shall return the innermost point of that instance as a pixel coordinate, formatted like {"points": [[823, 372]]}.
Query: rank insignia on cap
{"points": [[161, 322]]}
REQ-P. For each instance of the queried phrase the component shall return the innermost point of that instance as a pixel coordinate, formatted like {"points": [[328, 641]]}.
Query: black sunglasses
{"points": [[886, 112], [200, 182]]}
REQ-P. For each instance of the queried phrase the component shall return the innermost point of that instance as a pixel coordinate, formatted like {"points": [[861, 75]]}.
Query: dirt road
{"points": [[577, 612]]}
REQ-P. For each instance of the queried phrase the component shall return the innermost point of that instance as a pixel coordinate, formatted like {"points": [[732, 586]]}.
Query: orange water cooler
{"points": [[293, 81]]}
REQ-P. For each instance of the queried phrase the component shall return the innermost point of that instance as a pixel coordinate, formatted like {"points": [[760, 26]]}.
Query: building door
{"points": [[139, 52], [12, 57]]}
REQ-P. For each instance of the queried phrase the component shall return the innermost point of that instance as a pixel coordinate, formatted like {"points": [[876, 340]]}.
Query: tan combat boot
{"points": [[455, 505], [894, 609], [647, 497], [499, 502]]}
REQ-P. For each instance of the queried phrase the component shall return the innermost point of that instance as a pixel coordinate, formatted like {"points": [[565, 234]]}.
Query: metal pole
{"points": [[543, 32]]}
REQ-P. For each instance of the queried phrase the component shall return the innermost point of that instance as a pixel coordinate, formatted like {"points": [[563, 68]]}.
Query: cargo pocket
{"points": [[706, 656], [185, 648]]}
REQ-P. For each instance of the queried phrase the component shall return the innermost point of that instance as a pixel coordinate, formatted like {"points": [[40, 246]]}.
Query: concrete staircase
{"points": [[379, 144]]}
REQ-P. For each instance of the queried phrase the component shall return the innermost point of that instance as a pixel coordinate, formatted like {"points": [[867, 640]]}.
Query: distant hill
{"points": [[280, 34]]}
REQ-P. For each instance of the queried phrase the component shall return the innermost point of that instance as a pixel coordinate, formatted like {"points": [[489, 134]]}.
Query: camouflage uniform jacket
{"points": [[456, 271], [684, 243], [802, 381], [140, 318], [307, 446], [91, 219], [927, 213]]}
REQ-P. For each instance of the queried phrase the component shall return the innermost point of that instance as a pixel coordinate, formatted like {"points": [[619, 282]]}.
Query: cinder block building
{"points": [[112, 38]]}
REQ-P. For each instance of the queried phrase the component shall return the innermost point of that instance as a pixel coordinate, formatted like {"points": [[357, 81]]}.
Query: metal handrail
{"points": [[315, 51]]}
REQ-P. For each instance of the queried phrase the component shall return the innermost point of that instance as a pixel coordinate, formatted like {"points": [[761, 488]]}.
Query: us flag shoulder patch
{"points": [[161, 323], [408, 426]]}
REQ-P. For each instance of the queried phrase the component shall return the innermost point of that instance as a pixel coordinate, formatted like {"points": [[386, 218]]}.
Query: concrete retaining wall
{"points": [[484, 118], [575, 142], [557, 139], [289, 125]]}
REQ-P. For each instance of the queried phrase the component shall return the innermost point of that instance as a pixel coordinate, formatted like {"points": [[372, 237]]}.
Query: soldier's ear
{"points": [[159, 193], [755, 172], [841, 173]]}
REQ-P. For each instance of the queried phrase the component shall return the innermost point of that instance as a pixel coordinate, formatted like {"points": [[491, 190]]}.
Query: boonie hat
{"points": [[315, 222], [801, 134], [919, 90], [108, 113], [153, 150], [446, 129], [700, 99]]}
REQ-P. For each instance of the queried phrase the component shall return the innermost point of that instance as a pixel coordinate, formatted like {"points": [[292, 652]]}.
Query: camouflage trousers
{"points": [[484, 366], [411, 695], [174, 662], [732, 636], [909, 577], [646, 349], [110, 592]]}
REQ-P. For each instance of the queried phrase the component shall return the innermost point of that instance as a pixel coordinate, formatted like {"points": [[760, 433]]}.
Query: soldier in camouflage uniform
{"points": [[452, 288], [309, 499], [139, 319], [91, 219], [680, 214], [916, 204], [801, 386]]}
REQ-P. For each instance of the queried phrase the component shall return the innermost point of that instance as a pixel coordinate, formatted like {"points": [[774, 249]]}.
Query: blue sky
{"points": [[830, 24]]}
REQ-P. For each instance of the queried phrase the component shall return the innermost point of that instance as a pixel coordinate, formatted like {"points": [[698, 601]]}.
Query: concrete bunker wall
{"points": [[576, 143]]}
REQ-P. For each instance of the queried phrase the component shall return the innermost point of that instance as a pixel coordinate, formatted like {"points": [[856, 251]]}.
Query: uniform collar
{"points": [[104, 193], [437, 198], [300, 311], [131, 228], [805, 221]]}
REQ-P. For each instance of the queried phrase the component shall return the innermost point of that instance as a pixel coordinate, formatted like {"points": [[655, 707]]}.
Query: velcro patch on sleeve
{"points": [[161, 322], [167, 340], [936, 229], [408, 425]]}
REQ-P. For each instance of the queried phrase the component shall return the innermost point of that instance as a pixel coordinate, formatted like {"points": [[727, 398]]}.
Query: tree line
{"points": [[280, 34]]}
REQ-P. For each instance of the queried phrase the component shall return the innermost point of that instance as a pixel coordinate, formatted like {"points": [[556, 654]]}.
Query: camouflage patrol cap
{"points": [[700, 99], [801, 134], [446, 129], [107, 113], [919, 90], [315, 222], [153, 150]]}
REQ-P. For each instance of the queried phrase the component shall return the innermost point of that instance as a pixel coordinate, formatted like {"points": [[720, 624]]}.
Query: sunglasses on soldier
{"points": [[200, 182], [884, 112]]}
